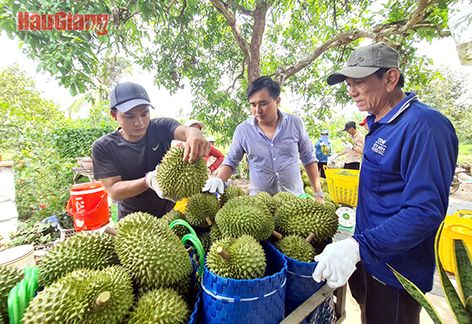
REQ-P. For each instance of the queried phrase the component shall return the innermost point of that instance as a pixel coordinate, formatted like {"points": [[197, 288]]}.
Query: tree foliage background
{"points": [[217, 47]]}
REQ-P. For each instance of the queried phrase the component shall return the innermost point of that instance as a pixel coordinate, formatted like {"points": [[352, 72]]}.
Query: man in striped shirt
{"points": [[274, 142]]}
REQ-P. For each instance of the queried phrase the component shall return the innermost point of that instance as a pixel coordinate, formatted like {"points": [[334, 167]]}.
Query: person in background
{"points": [[323, 151], [214, 153], [354, 147], [407, 169], [125, 160], [273, 142]]}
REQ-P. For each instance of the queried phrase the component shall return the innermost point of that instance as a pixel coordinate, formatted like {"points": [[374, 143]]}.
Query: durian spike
{"points": [[277, 235], [310, 237], [111, 231], [209, 222], [222, 253], [102, 298]]}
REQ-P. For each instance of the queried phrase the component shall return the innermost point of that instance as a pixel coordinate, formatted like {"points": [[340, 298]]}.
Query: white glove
{"points": [[151, 182], [214, 184], [337, 262], [348, 146]]}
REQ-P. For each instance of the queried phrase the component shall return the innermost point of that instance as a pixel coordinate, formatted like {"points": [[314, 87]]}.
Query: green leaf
{"points": [[451, 295], [418, 295], [464, 270]]}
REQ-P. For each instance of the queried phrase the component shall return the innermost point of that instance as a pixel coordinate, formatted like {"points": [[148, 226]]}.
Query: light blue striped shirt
{"points": [[273, 164]]}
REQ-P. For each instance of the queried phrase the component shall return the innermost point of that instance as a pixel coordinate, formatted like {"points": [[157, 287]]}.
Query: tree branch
{"points": [[231, 21], [256, 41], [418, 14], [379, 33]]}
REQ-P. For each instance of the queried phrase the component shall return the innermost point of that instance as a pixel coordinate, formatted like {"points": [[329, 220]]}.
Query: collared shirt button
{"points": [[274, 159], [276, 173], [271, 144]]}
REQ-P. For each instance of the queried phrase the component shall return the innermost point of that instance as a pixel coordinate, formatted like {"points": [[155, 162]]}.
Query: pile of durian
{"points": [[142, 273]]}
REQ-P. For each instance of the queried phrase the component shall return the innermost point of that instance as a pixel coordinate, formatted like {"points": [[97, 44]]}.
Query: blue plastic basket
{"points": [[195, 317], [261, 300], [300, 284]]}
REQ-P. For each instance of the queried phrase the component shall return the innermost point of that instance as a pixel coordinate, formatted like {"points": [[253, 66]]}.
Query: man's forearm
{"points": [[225, 172], [127, 189], [314, 176]]}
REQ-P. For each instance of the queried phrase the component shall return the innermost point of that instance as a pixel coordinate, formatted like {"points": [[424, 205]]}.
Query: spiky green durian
{"points": [[160, 306], [281, 197], [84, 296], [202, 209], [180, 179], [83, 250], [244, 215], [230, 193], [296, 248], [304, 216], [205, 239], [266, 199], [215, 233], [9, 277], [241, 258], [173, 215], [151, 251]]}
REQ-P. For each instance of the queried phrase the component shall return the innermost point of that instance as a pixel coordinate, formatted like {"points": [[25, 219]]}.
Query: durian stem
{"points": [[209, 222], [102, 298], [310, 237], [222, 253], [110, 230], [189, 249], [277, 235]]}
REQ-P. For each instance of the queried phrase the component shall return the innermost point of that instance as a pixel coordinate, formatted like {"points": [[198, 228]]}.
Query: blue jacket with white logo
{"points": [[407, 169]]}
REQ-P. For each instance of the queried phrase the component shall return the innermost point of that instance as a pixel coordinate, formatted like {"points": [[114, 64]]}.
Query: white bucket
{"points": [[18, 256]]}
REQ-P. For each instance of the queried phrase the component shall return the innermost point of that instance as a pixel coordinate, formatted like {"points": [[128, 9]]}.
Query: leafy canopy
{"points": [[217, 47]]}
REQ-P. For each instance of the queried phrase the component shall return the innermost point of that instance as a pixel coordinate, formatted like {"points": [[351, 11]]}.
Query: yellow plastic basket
{"points": [[342, 185], [455, 228]]}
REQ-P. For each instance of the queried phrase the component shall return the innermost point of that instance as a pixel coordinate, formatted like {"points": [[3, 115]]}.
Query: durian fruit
{"points": [[160, 306], [84, 296], [279, 198], [179, 179], [296, 248], [81, 251], [202, 209], [206, 240], [9, 277], [151, 251], [266, 199], [304, 216], [244, 215], [241, 258], [230, 193], [215, 233], [173, 215]]}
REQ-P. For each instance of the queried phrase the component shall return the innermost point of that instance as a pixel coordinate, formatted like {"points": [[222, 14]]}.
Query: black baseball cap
{"points": [[350, 124], [127, 95], [365, 61]]}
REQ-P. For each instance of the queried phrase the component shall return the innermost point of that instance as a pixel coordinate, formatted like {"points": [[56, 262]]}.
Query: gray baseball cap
{"points": [[366, 60], [127, 95]]}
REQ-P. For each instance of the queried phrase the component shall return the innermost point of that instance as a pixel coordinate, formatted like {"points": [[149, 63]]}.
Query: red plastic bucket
{"points": [[88, 206]]}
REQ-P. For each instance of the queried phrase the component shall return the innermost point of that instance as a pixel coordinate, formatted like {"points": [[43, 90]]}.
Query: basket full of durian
{"points": [[244, 279], [306, 226]]}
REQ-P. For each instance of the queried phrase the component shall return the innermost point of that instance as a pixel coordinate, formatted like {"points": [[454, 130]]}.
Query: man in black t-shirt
{"points": [[125, 159]]}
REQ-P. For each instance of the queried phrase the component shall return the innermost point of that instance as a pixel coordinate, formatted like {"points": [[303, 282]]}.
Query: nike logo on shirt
{"points": [[155, 148]]}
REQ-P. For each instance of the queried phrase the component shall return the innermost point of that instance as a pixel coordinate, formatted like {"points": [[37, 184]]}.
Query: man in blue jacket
{"points": [[323, 151], [409, 158]]}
